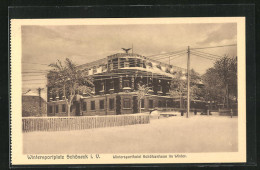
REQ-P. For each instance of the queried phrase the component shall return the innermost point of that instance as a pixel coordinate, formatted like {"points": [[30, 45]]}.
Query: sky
{"points": [[42, 45]]}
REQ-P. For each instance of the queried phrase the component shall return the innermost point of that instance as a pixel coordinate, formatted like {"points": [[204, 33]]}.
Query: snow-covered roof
{"points": [[150, 69], [159, 68]]}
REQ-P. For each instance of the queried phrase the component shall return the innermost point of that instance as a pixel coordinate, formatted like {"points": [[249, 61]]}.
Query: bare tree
{"points": [[69, 80], [141, 92], [179, 86]]}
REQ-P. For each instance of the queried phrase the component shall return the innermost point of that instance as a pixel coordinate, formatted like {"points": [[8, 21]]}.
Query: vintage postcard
{"points": [[128, 90]]}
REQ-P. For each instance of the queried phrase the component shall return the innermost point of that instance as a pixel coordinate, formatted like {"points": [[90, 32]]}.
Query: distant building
{"points": [[116, 79], [33, 105]]}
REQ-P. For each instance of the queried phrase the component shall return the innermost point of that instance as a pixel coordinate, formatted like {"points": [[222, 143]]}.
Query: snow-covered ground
{"points": [[164, 135]]}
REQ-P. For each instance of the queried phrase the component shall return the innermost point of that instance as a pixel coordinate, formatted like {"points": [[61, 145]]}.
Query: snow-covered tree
{"points": [[179, 86], [221, 80], [69, 80], [141, 92]]}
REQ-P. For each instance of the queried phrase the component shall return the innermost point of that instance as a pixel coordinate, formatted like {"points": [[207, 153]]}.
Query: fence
{"points": [[30, 124], [228, 112], [169, 109]]}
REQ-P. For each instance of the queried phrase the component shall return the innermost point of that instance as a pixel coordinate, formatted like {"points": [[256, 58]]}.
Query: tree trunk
{"points": [[181, 102], [68, 109], [140, 106], [224, 102], [227, 95]]}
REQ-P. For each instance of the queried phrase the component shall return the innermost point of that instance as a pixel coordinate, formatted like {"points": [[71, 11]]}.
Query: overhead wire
{"points": [[36, 63], [165, 53], [28, 75], [170, 56], [205, 56], [199, 55], [156, 57], [34, 80], [213, 55], [215, 46], [174, 57]]}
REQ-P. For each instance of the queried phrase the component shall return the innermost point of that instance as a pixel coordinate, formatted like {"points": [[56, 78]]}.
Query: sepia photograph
{"points": [[143, 89]]}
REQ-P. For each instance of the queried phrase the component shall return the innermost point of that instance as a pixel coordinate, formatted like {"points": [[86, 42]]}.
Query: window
{"points": [[92, 105], [112, 84], [142, 103], [110, 66], [63, 108], [94, 70], [150, 103], [111, 104], [102, 86], [126, 63], [115, 63], [126, 103], [50, 109], [159, 88], [84, 106], [132, 62], [126, 83], [122, 62], [159, 103], [138, 63], [101, 104], [164, 104], [60, 96], [57, 108]]}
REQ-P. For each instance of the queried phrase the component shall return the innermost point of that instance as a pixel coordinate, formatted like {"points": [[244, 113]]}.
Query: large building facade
{"points": [[116, 80]]}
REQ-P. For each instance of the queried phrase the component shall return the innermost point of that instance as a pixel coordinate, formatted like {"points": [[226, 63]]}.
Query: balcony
{"points": [[150, 91], [111, 91], [126, 89], [160, 93]]}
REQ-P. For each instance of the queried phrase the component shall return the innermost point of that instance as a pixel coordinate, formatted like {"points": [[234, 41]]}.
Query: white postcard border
{"points": [[18, 158]]}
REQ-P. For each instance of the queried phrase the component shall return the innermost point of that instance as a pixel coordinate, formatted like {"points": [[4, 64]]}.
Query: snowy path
{"points": [[172, 135]]}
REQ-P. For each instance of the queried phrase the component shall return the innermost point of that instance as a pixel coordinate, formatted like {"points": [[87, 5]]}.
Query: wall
{"points": [[106, 110], [98, 111], [30, 106], [59, 104]]}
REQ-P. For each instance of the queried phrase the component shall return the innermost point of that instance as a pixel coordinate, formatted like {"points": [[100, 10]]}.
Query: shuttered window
{"points": [[126, 103], [111, 104], [84, 106], [93, 105], [101, 104], [63, 108]]}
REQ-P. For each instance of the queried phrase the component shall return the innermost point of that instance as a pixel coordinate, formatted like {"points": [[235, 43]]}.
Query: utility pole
{"points": [[40, 100], [169, 60], [132, 49], [188, 82]]}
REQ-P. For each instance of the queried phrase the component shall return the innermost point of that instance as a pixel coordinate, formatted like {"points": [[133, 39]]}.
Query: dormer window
{"points": [[132, 62], [110, 66], [126, 63], [104, 68], [86, 71], [94, 70], [115, 63]]}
